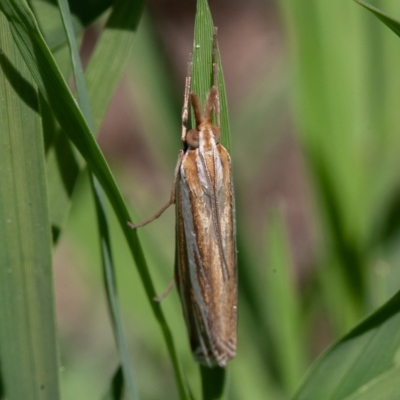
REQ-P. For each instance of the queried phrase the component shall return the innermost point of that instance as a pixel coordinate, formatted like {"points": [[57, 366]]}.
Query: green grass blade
{"points": [[98, 194], [116, 390], [202, 79], [28, 347], [110, 284], [115, 46], [49, 20], [76, 63], [102, 78], [63, 169], [389, 21], [84, 12], [54, 89], [345, 109], [213, 381], [88, 10], [384, 387], [362, 356], [282, 304]]}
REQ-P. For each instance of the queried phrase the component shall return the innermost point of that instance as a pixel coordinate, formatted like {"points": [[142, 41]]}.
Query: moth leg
{"points": [[185, 109], [215, 76], [170, 201], [166, 291]]}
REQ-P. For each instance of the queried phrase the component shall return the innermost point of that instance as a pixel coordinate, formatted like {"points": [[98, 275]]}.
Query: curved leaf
{"points": [[389, 21], [101, 211], [362, 356]]}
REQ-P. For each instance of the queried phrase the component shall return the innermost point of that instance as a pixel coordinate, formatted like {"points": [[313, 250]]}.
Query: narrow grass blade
{"points": [[283, 307], [202, 77], [213, 381], [49, 20], [102, 78], [384, 387], [112, 299], [54, 89], [116, 391], [98, 194], [114, 45], [343, 111], [28, 346], [358, 359], [63, 169], [89, 10], [389, 21], [76, 63]]}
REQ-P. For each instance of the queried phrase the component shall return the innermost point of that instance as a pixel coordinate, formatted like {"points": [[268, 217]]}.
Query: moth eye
{"points": [[217, 133], [192, 139]]}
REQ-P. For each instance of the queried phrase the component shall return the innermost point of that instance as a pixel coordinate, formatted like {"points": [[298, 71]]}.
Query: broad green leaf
{"points": [[384, 387], [360, 358], [28, 347]]}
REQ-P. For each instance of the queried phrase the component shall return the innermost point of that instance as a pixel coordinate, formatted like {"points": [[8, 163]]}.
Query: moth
{"points": [[205, 257]]}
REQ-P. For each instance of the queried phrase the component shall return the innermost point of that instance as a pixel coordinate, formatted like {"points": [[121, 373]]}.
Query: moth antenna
{"points": [[211, 99], [185, 109], [196, 108]]}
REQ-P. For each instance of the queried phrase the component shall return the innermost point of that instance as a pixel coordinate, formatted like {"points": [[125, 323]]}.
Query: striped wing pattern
{"points": [[205, 265]]}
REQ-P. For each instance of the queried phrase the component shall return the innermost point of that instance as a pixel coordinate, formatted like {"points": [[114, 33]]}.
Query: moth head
{"points": [[203, 121], [193, 136], [192, 139]]}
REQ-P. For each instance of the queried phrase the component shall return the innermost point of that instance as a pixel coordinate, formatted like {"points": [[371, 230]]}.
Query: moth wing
{"points": [[206, 258]]}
